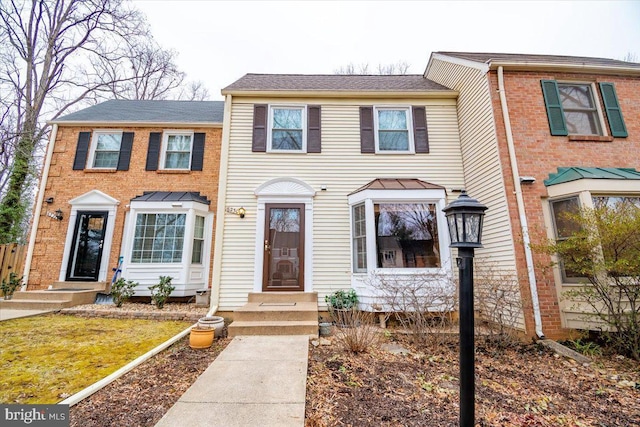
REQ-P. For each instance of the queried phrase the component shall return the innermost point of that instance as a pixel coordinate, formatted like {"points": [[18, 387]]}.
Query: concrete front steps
{"points": [[61, 295], [277, 313]]}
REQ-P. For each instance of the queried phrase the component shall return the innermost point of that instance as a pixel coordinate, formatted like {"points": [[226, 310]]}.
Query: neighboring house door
{"points": [[86, 249], [284, 247]]}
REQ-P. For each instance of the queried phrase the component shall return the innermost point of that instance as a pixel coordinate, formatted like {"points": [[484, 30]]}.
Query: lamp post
{"points": [[464, 220]]}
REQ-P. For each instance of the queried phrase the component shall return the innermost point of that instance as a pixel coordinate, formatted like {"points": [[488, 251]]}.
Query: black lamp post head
{"points": [[464, 219]]}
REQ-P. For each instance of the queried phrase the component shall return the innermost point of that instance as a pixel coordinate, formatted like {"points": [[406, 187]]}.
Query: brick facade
{"points": [[64, 184], [539, 154]]}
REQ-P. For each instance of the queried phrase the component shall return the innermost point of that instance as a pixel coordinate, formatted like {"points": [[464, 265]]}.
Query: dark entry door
{"points": [[284, 248], [86, 252]]}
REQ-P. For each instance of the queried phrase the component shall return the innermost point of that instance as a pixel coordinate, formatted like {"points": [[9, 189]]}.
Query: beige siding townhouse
{"points": [[320, 172]]}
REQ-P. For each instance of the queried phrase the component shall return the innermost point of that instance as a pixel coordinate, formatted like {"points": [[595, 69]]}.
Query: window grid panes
{"points": [[407, 235], [359, 239], [107, 150], [178, 151], [287, 129], [579, 107], [159, 238], [198, 240], [393, 130], [564, 227]]}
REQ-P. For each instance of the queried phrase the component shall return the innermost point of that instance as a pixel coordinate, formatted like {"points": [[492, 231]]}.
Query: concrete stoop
{"points": [[281, 313], [61, 295]]}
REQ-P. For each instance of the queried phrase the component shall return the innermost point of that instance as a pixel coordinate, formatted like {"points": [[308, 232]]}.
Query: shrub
{"points": [[122, 290], [342, 299], [358, 331], [422, 303], [8, 287], [161, 291], [604, 249]]}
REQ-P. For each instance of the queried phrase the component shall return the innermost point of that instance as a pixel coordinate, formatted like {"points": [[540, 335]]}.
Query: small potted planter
{"points": [[212, 322], [201, 337]]}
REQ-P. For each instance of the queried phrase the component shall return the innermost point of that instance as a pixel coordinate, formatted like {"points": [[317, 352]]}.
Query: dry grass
{"points": [[46, 358]]}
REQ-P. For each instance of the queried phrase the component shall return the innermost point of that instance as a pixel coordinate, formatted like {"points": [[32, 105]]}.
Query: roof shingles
{"points": [[333, 83], [488, 58]]}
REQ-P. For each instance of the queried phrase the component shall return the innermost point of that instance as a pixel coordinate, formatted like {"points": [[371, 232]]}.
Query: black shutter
{"points": [[313, 129], [197, 154], [420, 133], [82, 149], [614, 114], [367, 138], [552, 102], [126, 143], [153, 152], [259, 143]]}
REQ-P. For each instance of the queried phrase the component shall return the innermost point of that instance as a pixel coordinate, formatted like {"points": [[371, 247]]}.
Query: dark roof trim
{"points": [[172, 196]]}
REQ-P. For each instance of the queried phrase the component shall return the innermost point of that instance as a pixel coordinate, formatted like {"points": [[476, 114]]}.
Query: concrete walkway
{"points": [[6, 314], [255, 381]]}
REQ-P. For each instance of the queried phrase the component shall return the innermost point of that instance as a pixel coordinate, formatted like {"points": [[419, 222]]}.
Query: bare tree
{"points": [[398, 68], [54, 55]]}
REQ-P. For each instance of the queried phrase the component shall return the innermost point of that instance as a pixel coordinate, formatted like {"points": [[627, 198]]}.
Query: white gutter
{"points": [[36, 212], [222, 192], [83, 394], [520, 202]]}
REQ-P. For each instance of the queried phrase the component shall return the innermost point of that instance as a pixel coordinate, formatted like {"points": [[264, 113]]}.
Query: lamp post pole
{"points": [[464, 218], [467, 350]]}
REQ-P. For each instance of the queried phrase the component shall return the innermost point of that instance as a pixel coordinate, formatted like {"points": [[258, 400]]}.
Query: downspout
{"points": [[222, 191], [520, 202], [38, 208]]}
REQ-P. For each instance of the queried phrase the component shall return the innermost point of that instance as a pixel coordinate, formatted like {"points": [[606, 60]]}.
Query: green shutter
{"points": [[554, 107], [614, 114]]}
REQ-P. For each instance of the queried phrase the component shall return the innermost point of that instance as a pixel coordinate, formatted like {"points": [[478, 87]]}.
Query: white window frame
{"points": [[372, 197], [303, 108], [596, 101], [94, 145], [407, 109], [165, 142]]}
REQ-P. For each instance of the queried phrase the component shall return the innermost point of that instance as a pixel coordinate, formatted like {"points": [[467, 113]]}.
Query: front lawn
{"points": [[45, 359]]}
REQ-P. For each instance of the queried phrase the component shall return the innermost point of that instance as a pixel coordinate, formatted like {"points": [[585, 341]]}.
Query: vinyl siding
{"points": [[483, 171], [341, 167]]}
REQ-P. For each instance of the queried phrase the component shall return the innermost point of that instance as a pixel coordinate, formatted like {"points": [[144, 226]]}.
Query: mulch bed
{"points": [[521, 385], [142, 396]]}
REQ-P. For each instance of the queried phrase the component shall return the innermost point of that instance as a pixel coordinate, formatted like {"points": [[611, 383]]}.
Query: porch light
{"points": [[464, 218], [241, 212]]}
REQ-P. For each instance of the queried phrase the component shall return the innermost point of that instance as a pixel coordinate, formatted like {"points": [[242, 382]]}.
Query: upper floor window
{"points": [[105, 149], [580, 112], [287, 129], [573, 108], [176, 150], [392, 130]]}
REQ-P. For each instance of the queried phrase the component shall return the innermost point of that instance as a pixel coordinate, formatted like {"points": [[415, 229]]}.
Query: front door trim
{"points": [[93, 200], [289, 191]]}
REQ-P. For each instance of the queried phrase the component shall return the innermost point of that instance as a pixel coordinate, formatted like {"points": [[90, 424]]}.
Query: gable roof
{"points": [[146, 112], [333, 83], [520, 61], [575, 173]]}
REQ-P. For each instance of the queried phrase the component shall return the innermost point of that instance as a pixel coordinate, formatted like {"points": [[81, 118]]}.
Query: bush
{"points": [[8, 287], [160, 292], [358, 331], [122, 290], [604, 249], [342, 299]]}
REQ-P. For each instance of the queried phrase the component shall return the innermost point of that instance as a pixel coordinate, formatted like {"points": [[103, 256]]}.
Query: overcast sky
{"points": [[220, 41]]}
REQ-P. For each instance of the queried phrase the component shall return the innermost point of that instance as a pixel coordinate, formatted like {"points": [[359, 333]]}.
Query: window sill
{"points": [[100, 171], [590, 138], [168, 171]]}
